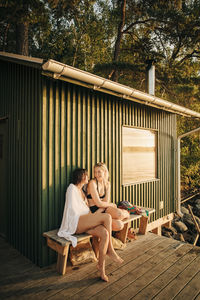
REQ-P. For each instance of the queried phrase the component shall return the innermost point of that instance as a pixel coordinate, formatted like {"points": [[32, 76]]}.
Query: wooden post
{"points": [[61, 264], [122, 234], [168, 224], [62, 261], [157, 230], [196, 239], [143, 225]]}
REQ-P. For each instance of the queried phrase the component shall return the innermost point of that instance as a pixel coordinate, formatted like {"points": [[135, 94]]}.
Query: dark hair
{"points": [[77, 175]]}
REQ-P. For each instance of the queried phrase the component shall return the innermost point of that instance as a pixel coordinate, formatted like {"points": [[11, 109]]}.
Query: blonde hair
{"points": [[104, 168]]}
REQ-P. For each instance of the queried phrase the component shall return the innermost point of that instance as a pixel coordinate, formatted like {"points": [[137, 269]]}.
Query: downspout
{"points": [[179, 167]]}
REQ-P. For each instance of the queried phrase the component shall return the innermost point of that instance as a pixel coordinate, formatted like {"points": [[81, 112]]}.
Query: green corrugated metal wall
{"points": [[82, 127], [54, 127], [20, 92]]}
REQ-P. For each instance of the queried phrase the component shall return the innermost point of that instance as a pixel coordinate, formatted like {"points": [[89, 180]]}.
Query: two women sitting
{"points": [[93, 214]]}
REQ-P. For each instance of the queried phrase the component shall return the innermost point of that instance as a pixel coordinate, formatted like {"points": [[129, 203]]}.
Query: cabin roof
{"points": [[60, 71]]}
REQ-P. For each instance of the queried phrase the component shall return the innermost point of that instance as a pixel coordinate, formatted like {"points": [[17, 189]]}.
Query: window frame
{"points": [[157, 155]]}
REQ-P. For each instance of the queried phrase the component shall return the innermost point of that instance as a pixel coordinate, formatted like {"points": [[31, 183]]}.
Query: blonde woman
{"points": [[98, 195]]}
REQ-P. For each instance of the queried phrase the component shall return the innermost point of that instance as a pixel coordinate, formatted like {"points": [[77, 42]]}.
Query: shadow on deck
{"points": [[154, 268]]}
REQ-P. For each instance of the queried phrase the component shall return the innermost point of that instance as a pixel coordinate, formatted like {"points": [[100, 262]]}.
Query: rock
{"points": [[179, 237], [198, 220], [187, 219], [189, 237], [184, 210], [173, 229], [181, 227], [197, 202], [196, 211], [197, 206], [167, 234]]}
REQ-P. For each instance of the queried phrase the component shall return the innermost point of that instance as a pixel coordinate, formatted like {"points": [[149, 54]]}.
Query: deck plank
{"points": [[136, 262], [135, 282], [154, 267], [169, 275], [180, 281], [197, 297], [191, 290], [86, 279]]}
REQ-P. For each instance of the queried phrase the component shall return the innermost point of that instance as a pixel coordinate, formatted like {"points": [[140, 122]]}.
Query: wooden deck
{"points": [[154, 268]]}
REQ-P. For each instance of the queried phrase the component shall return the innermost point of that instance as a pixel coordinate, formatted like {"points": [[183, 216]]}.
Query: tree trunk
{"points": [[114, 73], [22, 38]]}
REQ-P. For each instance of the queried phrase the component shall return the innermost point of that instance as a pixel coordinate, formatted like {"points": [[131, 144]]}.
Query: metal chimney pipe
{"points": [[150, 77]]}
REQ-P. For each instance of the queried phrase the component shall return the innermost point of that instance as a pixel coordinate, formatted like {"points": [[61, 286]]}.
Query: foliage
{"points": [[115, 39]]}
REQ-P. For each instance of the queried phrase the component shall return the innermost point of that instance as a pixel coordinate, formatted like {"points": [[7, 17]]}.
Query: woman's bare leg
{"points": [[89, 221], [117, 213], [101, 233], [117, 225]]}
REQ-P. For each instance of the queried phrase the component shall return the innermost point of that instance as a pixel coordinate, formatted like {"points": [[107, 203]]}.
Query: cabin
{"points": [[54, 118]]}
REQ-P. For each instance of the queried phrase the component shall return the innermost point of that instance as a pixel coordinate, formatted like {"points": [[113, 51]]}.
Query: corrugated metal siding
{"points": [[81, 127], [55, 127], [20, 99]]}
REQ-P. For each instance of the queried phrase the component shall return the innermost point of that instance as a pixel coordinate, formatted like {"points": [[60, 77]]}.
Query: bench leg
{"points": [[62, 262], [157, 230], [168, 224], [122, 234], [143, 225]]}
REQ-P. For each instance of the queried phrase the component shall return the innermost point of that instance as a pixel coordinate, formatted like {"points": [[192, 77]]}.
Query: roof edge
{"points": [[101, 84], [21, 59]]}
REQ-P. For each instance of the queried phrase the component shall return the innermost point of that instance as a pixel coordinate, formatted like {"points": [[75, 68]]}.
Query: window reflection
{"points": [[139, 148]]}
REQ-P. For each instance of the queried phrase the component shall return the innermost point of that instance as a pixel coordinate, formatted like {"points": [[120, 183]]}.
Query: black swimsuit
{"points": [[94, 208]]}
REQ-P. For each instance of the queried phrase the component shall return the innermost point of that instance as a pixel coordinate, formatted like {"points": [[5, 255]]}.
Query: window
{"points": [[139, 155]]}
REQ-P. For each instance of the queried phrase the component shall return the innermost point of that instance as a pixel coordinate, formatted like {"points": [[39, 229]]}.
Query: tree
{"points": [[15, 18], [114, 39]]}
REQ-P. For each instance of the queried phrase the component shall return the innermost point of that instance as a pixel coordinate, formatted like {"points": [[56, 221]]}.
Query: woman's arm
{"points": [[107, 192], [92, 189]]}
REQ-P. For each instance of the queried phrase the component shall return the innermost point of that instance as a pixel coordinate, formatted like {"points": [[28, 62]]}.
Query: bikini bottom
{"points": [[94, 208]]}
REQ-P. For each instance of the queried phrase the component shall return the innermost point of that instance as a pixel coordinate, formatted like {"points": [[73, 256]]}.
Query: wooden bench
{"points": [[122, 235], [61, 245]]}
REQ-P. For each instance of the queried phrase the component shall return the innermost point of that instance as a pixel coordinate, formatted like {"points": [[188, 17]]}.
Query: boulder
{"points": [[167, 234], [196, 211], [180, 226], [197, 202], [187, 219], [173, 229], [179, 237], [184, 210], [189, 237]]}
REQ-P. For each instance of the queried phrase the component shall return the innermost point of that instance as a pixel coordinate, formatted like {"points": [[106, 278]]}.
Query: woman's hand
{"points": [[100, 210], [112, 205]]}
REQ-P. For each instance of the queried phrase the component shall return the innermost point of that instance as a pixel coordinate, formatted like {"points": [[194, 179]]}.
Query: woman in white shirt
{"points": [[77, 218]]}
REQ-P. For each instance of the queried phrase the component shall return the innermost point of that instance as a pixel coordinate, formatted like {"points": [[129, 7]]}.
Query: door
{"points": [[3, 175]]}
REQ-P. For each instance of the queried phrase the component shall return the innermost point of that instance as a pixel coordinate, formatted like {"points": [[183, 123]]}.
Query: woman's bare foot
{"points": [[113, 255], [103, 276]]}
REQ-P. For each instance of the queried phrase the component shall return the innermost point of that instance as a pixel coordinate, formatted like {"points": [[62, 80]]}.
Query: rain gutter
{"points": [[60, 70], [179, 167]]}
